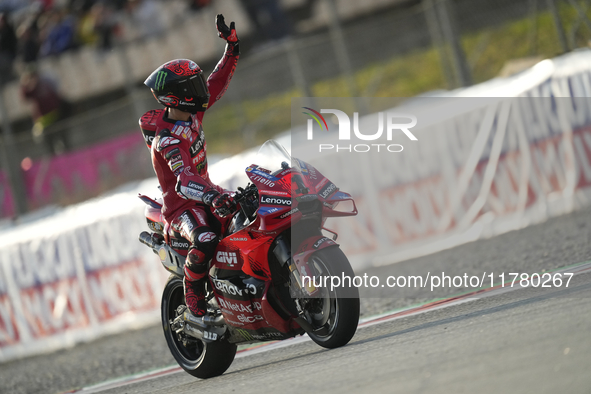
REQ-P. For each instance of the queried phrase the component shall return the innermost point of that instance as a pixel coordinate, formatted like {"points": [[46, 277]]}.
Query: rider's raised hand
{"points": [[225, 32]]}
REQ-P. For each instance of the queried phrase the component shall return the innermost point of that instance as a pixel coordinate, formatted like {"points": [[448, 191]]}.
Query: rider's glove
{"points": [[222, 203], [228, 34], [225, 32]]}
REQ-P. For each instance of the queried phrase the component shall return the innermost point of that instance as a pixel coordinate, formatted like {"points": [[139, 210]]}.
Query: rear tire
{"points": [[335, 314], [200, 359]]}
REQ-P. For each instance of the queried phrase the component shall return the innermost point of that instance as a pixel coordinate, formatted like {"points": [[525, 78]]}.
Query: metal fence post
{"points": [[533, 11], [342, 55], [581, 13], [295, 66], [14, 176], [450, 32], [558, 23], [436, 37]]}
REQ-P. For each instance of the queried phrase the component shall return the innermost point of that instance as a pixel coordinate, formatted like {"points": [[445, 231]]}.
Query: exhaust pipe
{"points": [[147, 239]]}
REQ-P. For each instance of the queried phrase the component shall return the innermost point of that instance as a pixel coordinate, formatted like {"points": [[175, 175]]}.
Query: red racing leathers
{"points": [[179, 148], [180, 161]]}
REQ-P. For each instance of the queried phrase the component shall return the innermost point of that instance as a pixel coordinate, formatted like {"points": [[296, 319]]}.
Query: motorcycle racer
{"points": [[193, 204]]}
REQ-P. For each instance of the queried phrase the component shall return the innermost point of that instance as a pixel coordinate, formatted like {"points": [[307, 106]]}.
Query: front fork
{"points": [[301, 272], [282, 252]]}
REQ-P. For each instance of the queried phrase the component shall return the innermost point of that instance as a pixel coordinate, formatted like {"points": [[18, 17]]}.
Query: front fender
{"points": [[308, 247], [314, 244]]}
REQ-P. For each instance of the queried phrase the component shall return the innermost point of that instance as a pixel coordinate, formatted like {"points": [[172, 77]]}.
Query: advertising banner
{"points": [[440, 171], [77, 276]]}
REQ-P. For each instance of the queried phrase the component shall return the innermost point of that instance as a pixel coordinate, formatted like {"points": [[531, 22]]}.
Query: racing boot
{"points": [[194, 282], [195, 295]]}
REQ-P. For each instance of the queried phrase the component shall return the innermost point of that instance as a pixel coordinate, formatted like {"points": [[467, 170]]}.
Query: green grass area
{"points": [[235, 127]]}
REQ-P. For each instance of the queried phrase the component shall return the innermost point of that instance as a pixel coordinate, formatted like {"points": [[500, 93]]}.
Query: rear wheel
{"points": [[333, 315], [200, 359]]}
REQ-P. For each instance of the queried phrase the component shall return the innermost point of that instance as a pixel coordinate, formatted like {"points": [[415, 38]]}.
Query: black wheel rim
{"points": [[193, 354]]}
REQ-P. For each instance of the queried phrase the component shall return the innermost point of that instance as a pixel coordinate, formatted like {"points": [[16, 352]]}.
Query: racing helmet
{"points": [[179, 84]]}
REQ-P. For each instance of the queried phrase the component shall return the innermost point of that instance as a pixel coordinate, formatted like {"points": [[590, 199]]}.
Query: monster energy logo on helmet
{"points": [[160, 79]]}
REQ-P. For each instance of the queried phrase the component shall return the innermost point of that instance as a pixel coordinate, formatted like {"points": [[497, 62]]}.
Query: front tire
{"points": [[334, 315], [200, 359]]}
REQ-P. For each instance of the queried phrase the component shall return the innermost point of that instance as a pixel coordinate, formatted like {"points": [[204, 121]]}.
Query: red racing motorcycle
{"points": [[266, 274]]}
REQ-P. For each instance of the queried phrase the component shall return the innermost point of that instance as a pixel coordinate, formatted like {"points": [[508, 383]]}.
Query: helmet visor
{"points": [[197, 86]]}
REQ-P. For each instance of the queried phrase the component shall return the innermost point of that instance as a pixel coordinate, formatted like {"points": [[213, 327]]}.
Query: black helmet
{"points": [[179, 84]]}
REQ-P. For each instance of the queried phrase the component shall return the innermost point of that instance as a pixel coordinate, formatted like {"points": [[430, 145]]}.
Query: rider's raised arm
{"points": [[219, 79]]}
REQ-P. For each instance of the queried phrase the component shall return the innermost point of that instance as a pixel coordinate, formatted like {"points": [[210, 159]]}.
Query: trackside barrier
{"points": [[77, 275], [81, 273]]}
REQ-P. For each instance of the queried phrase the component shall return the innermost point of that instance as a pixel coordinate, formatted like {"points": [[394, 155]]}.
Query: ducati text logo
{"points": [[227, 257], [250, 319], [394, 123]]}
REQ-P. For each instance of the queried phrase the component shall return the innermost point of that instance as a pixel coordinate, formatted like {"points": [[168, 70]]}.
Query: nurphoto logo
{"points": [[394, 123]]}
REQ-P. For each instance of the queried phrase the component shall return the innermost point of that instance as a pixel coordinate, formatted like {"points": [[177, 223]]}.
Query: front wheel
{"points": [[333, 314], [200, 359]]}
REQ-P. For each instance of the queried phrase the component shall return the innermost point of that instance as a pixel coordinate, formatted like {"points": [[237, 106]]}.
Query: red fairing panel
{"points": [[275, 210]]}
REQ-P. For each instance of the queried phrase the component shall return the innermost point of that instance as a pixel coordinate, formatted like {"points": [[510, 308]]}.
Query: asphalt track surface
{"points": [[510, 340]]}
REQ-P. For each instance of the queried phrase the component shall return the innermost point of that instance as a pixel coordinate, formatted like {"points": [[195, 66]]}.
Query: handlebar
{"points": [[244, 199]]}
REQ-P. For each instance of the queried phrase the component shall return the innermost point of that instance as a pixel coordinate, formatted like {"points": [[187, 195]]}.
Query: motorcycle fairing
{"points": [[171, 260], [244, 335], [245, 306], [241, 286], [250, 251], [153, 214], [274, 197]]}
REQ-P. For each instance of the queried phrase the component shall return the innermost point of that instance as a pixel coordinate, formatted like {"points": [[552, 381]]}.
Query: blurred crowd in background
{"points": [[34, 29]]}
